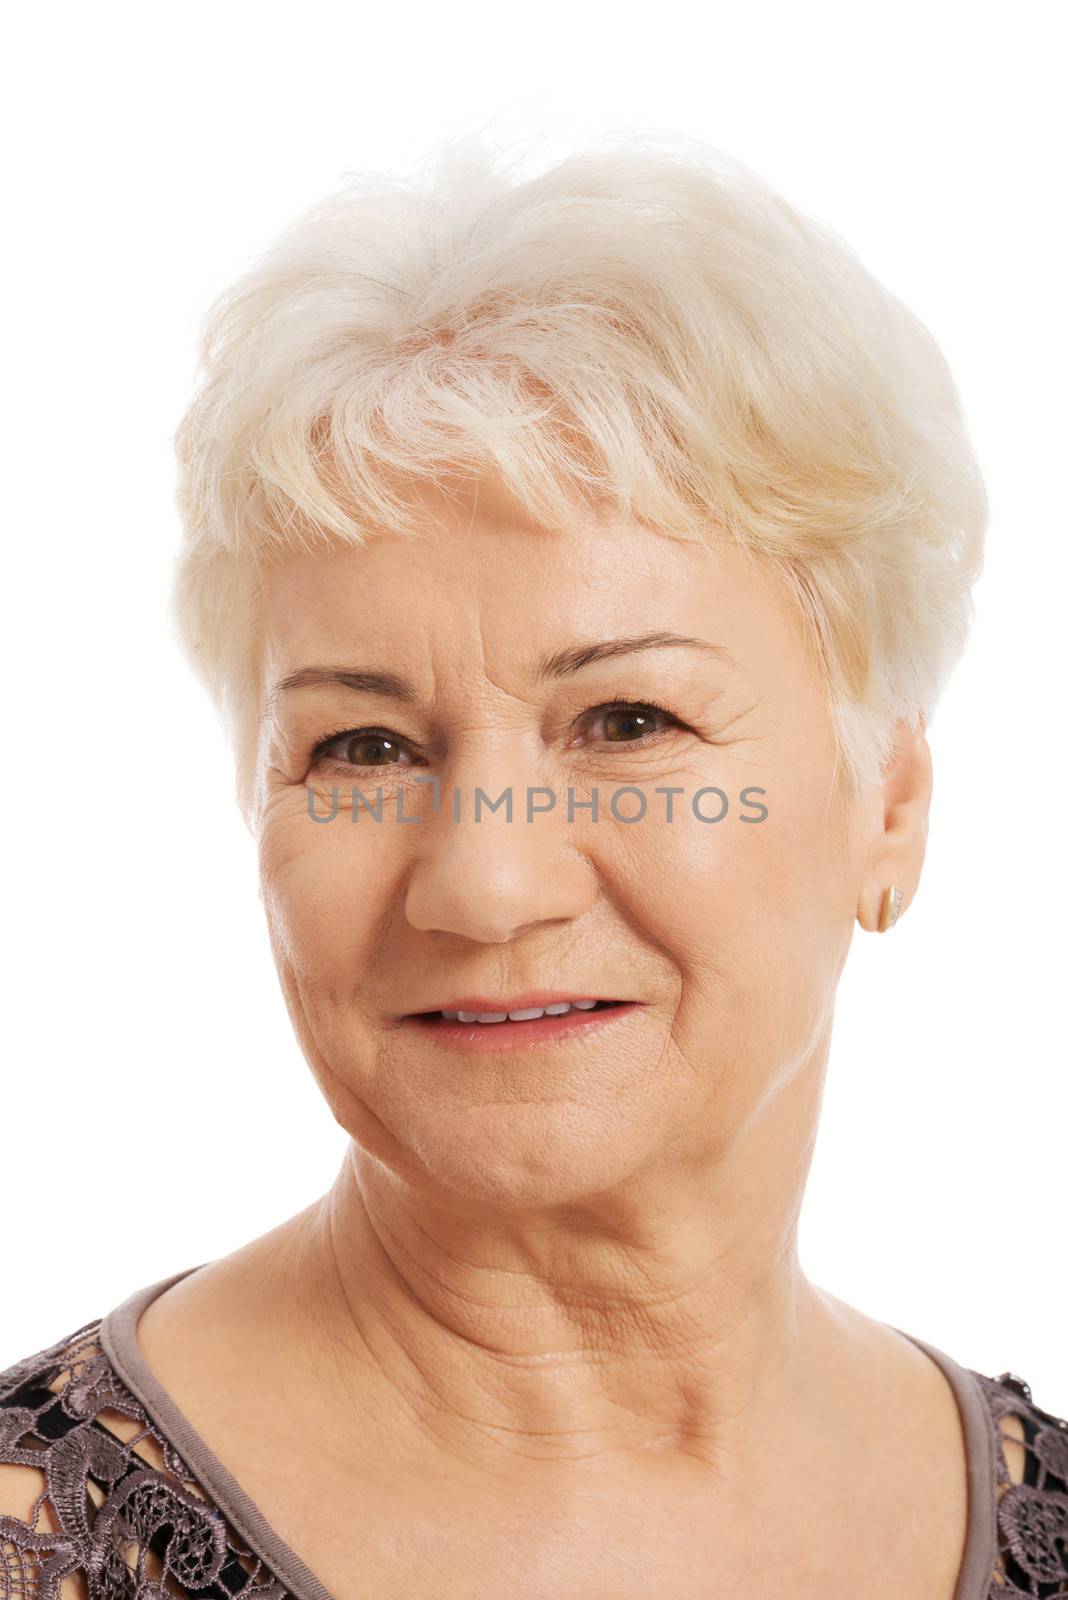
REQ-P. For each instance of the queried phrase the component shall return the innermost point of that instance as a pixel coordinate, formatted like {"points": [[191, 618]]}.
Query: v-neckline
{"points": [[118, 1339]]}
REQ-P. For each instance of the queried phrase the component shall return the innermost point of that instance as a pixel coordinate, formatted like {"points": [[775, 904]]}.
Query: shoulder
{"points": [[84, 1471], [1032, 1488]]}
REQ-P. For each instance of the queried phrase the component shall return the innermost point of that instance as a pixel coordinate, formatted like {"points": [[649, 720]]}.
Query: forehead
{"points": [[480, 573]]}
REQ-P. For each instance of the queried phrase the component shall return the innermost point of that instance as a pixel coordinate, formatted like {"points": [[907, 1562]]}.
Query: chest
{"points": [[409, 1550]]}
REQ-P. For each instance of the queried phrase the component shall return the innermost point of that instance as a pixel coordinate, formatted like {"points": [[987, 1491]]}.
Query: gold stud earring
{"points": [[891, 909]]}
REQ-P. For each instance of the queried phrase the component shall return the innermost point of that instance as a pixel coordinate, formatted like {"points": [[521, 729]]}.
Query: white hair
{"points": [[646, 326]]}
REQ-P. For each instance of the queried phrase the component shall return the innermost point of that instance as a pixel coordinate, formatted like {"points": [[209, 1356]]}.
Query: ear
{"points": [[899, 812]]}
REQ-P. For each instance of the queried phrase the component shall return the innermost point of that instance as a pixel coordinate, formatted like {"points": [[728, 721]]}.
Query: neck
{"points": [[642, 1329]]}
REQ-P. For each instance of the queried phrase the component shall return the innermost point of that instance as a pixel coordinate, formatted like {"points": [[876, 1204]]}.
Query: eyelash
{"points": [[323, 744]]}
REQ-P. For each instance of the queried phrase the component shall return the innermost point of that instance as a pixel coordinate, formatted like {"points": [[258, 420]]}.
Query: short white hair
{"points": [[646, 326]]}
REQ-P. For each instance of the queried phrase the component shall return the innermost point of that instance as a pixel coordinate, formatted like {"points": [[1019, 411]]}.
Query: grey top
{"points": [[196, 1518]]}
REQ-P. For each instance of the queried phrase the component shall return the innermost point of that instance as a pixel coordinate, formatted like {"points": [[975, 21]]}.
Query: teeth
{"points": [[558, 1009]]}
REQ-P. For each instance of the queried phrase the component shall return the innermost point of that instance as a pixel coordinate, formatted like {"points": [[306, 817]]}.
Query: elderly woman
{"points": [[576, 560]]}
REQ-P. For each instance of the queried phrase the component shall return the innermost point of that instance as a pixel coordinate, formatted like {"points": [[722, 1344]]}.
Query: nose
{"points": [[490, 880]]}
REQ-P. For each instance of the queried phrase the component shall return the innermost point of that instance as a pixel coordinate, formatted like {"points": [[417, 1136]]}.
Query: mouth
{"points": [[529, 1026]]}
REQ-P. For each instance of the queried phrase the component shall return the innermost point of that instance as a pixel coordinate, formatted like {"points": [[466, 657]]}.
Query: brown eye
{"points": [[631, 722], [360, 748], [370, 750], [628, 724]]}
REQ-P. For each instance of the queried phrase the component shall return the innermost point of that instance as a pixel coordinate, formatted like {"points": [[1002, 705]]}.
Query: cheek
{"points": [[319, 895], [735, 881], [757, 918]]}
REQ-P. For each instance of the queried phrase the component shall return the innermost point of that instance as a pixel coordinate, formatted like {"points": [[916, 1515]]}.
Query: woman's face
{"points": [[729, 934]]}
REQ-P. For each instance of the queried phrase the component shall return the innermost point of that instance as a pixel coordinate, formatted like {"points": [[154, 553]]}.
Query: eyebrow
{"points": [[563, 663]]}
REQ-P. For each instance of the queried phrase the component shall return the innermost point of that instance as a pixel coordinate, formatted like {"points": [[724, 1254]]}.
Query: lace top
{"points": [[128, 1502]]}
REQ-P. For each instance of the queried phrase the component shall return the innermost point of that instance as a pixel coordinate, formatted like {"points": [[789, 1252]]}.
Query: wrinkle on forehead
{"points": [[484, 589]]}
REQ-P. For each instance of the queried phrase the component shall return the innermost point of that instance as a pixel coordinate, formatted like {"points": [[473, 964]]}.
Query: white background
{"points": [[156, 1110]]}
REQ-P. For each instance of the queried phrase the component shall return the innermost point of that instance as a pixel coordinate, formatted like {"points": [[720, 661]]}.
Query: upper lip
{"points": [[523, 1002]]}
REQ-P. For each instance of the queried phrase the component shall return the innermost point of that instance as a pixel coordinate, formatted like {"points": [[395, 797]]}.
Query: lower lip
{"points": [[541, 1032]]}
